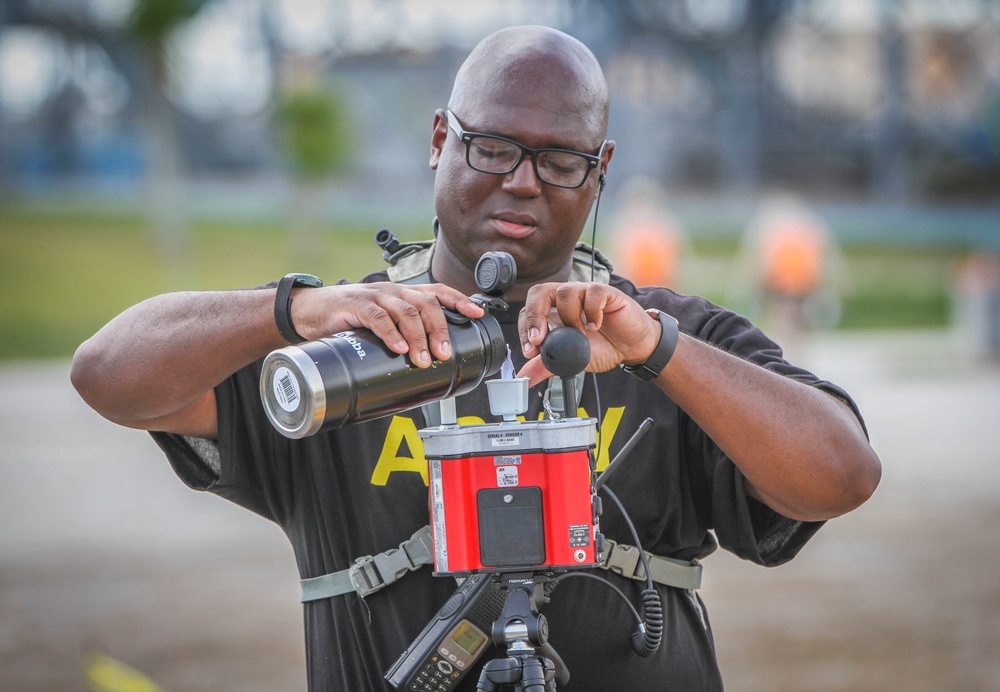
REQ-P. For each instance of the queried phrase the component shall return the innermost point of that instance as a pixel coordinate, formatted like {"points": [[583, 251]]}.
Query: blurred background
{"points": [[830, 168]]}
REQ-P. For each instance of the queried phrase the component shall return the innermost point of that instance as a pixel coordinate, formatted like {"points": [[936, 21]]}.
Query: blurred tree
{"points": [[315, 134], [153, 20], [314, 124], [150, 26]]}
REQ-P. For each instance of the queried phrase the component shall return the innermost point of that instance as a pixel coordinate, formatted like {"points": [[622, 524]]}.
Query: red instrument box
{"points": [[512, 496]]}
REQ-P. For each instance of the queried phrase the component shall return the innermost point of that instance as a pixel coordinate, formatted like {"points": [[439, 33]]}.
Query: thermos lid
{"points": [[291, 389]]}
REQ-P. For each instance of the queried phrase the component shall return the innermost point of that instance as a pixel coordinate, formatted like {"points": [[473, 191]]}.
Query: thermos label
{"points": [[286, 389], [356, 344]]}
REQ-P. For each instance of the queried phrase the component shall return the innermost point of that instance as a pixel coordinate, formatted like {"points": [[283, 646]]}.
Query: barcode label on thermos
{"points": [[286, 389]]}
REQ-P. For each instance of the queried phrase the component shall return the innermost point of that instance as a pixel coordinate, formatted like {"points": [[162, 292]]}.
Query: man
{"points": [[744, 444]]}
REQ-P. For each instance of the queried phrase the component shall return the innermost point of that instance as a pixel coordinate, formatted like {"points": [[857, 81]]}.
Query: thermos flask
{"points": [[353, 376]]}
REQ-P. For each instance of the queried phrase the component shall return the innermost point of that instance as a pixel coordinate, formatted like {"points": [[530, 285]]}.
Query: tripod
{"points": [[532, 665]]}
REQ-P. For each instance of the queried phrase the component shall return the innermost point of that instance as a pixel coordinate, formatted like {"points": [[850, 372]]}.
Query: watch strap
{"points": [[664, 350], [283, 304]]}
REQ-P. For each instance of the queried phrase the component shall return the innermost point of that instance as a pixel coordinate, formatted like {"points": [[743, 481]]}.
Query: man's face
{"points": [[537, 223]]}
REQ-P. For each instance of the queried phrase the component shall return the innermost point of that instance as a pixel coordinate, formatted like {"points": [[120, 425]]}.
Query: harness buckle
{"points": [[371, 573], [624, 559]]}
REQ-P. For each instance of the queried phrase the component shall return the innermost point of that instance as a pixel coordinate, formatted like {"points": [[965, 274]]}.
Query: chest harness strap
{"points": [[374, 572]]}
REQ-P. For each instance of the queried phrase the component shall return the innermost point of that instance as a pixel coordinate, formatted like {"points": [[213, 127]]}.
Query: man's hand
{"points": [[409, 319], [618, 328]]}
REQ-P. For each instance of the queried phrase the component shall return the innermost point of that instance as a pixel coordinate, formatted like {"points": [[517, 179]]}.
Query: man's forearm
{"points": [[801, 450], [162, 354]]}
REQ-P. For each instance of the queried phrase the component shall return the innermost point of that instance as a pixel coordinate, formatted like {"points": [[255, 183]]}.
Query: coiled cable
{"points": [[647, 639]]}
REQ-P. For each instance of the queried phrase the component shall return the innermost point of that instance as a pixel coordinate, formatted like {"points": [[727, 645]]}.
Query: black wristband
{"points": [[661, 355], [283, 304]]}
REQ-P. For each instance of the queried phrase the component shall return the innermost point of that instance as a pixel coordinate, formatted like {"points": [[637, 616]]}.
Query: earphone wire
{"points": [[593, 229]]}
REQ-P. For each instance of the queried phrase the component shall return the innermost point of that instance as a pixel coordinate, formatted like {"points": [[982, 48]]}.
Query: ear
{"points": [[609, 151], [438, 136]]}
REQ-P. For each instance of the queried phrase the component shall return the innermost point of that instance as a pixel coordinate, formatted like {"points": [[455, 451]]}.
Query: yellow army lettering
{"points": [[402, 429]]}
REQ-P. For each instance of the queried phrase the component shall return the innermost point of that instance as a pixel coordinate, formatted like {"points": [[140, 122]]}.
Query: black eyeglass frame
{"points": [[466, 137]]}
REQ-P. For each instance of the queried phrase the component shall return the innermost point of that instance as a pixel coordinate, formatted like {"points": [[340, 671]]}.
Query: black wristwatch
{"points": [[660, 356], [283, 303]]}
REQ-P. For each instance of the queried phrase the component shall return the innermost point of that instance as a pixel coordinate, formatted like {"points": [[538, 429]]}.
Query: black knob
{"points": [[495, 273], [565, 352]]}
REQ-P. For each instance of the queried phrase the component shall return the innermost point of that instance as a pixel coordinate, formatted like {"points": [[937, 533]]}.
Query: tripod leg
{"points": [[534, 674], [499, 671]]}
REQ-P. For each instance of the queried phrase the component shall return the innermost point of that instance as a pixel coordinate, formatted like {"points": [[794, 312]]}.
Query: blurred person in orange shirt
{"points": [[791, 262], [648, 240]]}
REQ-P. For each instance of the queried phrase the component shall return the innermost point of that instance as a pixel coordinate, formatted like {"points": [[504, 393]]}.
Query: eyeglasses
{"points": [[499, 156]]}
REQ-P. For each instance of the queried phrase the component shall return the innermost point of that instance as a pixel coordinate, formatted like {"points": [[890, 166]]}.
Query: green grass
{"points": [[62, 277], [891, 287], [64, 274]]}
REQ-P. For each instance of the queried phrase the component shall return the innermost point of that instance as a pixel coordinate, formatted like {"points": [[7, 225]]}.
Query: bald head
{"points": [[543, 91], [525, 65]]}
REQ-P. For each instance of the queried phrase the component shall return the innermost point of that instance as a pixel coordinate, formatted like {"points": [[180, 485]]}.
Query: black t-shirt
{"points": [[362, 489]]}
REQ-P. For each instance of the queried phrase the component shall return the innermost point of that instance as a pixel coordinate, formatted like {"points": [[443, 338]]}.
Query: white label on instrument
{"points": [[504, 439], [437, 516], [506, 476], [286, 389]]}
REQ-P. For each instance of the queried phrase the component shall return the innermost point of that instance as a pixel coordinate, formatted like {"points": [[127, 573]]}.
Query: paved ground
{"points": [[101, 548]]}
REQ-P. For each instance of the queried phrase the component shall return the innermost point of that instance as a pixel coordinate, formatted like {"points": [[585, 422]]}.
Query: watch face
{"points": [[643, 372], [305, 280]]}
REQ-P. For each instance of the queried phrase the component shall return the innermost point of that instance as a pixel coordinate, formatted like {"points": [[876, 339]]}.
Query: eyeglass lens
{"points": [[492, 155]]}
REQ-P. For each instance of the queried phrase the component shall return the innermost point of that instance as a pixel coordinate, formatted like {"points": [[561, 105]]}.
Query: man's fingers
{"points": [[454, 300], [570, 300], [533, 322], [421, 322], [534, 371], [595, 304], [435, 326], [383, 324], [415, 323], [435, 321]]}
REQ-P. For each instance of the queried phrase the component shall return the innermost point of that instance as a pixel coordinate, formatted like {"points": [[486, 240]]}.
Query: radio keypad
{"points": [[436, 676]]}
